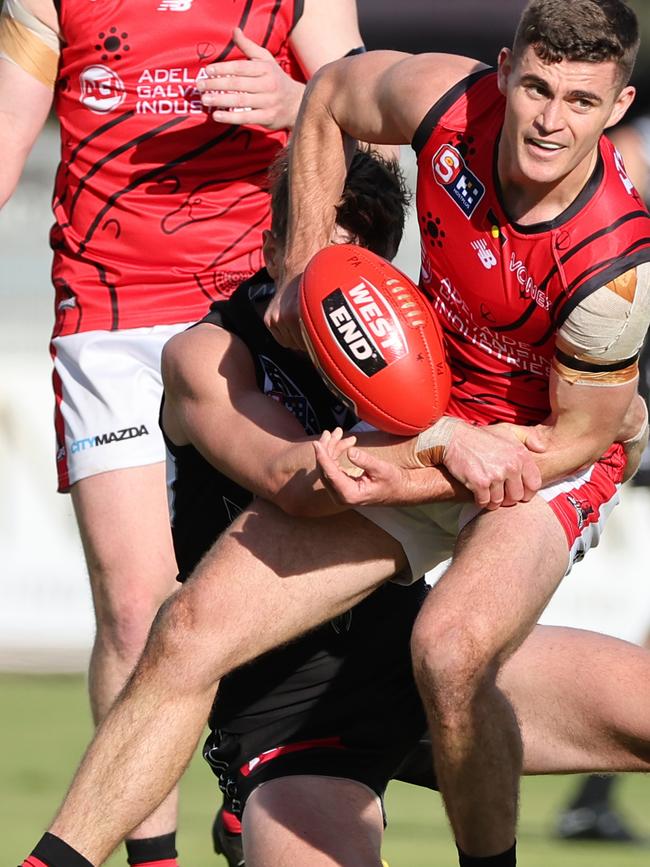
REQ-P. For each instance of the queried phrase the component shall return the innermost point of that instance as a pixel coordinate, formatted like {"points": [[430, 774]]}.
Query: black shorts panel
{"points": [[341, 701]]}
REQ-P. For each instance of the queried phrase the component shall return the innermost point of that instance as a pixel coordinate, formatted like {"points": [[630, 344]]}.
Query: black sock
{"points": [[505, 859], [55, 852], [595, 791], [151, 849]]}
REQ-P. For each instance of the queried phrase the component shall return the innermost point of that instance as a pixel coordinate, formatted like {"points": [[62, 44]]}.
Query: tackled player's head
{"points": [[594, 31], [372, 209]]}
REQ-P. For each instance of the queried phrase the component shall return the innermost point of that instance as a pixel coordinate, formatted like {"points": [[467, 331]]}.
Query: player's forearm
{"points": [[294, 485], [317, 172], [586, 420]]}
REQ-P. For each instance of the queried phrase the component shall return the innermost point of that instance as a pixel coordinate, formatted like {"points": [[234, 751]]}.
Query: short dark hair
{"points": [[587, 30], [372, 207]]}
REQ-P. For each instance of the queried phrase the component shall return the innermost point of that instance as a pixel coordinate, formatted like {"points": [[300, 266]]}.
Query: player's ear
{"points": [[504, 68], [623, 101], [271, 253]]}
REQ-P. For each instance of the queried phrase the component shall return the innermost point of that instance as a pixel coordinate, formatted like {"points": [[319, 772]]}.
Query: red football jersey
{"points": [[158, 209], [500, 289]]}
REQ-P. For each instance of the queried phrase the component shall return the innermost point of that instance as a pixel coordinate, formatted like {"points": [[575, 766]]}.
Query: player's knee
{"points": [[178, 643], [452, 658]]}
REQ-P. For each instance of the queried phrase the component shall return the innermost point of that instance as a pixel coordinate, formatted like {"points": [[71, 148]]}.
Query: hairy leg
{"points": [[320, 821], [268, 579], [123, 520], [506, 565], [581, 701]]}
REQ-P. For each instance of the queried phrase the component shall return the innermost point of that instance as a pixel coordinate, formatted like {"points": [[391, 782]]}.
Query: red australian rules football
{"points": [[375, 339]]}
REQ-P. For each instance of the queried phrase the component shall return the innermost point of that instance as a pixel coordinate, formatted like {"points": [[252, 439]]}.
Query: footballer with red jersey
{"points": [[536, 258], [559, 328], [170, 114]]}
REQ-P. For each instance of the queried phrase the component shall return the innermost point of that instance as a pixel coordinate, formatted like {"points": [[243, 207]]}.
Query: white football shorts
{"points": [[107, 388], [581, 503]]}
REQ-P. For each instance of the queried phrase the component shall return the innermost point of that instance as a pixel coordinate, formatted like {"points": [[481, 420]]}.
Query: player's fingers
{"points": [[339, 486], [234, 100], [532, 480], [513, 490], [227, 68], [235, 83], [534, 440], [249, 47]]}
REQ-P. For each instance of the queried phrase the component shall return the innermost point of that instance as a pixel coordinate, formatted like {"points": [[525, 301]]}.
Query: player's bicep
{"points": [[325, 32], [213, 398], [378, 97]]}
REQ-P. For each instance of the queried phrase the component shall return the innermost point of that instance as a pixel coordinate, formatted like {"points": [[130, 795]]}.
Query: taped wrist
{"points": [[432, 442]]}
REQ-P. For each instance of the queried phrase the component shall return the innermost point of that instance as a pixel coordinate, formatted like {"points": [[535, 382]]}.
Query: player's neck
{"points": [[528, 203]]}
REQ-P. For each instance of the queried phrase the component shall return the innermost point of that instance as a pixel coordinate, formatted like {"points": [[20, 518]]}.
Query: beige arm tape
{"points": [[607, 327], [29, 43], [432, 442]]}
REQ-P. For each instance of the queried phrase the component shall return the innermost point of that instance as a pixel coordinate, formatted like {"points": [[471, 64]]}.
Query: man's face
{"points": [[556, 113]]}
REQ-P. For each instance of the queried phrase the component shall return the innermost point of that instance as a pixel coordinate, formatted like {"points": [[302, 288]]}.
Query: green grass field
{"points": [[45, 724]]}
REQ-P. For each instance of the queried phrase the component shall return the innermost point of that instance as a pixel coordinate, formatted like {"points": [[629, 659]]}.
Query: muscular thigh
{"points": [[124, 525], [270, 577], [312, 820]]}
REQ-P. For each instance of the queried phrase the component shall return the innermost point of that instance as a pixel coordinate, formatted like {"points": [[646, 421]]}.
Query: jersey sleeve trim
{"points": [[574, 363], [298, 9], [630, 259], [435, 113]]}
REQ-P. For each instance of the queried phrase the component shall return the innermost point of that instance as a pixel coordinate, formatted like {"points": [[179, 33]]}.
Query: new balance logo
{"points": [[485, 255], [175, 6]]}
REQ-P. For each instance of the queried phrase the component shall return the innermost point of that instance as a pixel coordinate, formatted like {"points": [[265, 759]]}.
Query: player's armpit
{"points": [[599, 342], [29, 40]]}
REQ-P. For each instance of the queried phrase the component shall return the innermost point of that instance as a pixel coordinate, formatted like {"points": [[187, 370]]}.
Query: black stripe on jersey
{"points": [[525, 316], [637, 254], [100, 130], [112, 294], [590, 366], [248, 230], [432, 117], [154, 173], [488, 399], [116, 152], [298, 10], [231, 44], [271, 25], [504, 374], [606, 230]]}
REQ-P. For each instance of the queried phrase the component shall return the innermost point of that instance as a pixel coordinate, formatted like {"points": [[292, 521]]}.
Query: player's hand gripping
{"points": [[495, 463], [355, 477], [252, 91]]}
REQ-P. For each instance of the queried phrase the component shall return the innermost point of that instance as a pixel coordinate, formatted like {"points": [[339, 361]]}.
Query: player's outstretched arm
{"points": [[257, 90], [212, 400], [379, 97], [451, 460], [362, 477], [28, 62]]}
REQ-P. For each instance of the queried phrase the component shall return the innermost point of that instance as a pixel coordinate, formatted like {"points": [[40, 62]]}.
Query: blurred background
{"points": [[46, 622]]}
